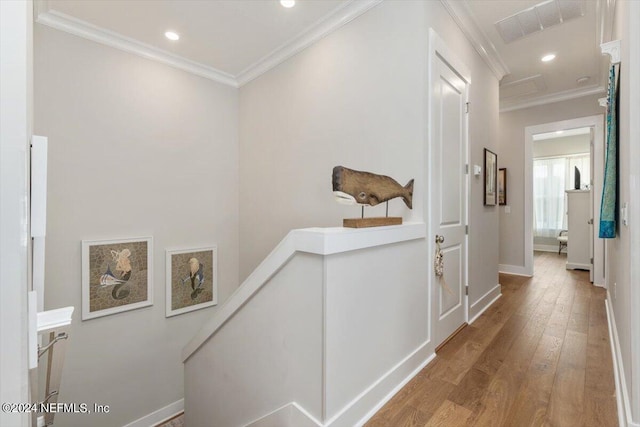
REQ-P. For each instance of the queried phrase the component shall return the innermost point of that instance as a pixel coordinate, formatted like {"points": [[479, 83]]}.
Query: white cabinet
{"points": [[579, 215]]}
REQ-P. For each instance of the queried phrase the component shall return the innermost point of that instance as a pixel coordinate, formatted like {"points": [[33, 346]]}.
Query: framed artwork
{"points": [[192, 279], [490, 178], [502, 186], [116, 276]]}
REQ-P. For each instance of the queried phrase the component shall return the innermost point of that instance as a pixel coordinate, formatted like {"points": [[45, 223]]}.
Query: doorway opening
{"points": [[559, 157]]}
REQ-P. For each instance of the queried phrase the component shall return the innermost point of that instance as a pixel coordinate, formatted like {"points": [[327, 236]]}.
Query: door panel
{"points": [[448, 185], [450, 203], [450, 299]]}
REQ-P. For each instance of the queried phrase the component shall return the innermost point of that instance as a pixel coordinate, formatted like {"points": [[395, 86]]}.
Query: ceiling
{"points": [[228, 35], [233, 41], [575, 42]]}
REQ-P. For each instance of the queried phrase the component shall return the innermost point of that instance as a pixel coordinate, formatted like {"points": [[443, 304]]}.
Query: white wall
{"points": [[576, 144], [136, 148], [376, 318], [15, 132], [270, 353], [357, 98], [321, 329], [622, 290], [511, 156]]}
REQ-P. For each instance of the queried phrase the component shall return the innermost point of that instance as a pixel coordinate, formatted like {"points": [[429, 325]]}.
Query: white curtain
{"points": [[548, 196], [551, 177]]}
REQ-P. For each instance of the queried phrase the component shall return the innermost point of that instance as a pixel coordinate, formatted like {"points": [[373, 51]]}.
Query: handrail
{"points": [[55, 324], [320, 241], [54, 319]]}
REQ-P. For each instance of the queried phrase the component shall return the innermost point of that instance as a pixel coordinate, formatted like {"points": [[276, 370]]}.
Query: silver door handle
{"points": [[439, 239]]}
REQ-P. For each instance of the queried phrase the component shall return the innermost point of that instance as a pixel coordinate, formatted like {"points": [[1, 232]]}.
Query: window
{"points": [[551, 177]]}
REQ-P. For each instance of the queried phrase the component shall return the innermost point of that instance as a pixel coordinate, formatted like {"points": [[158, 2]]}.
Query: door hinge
{"points": [[591, 260], [466, 108], [466, 290], [466, 229], [466, 169]]}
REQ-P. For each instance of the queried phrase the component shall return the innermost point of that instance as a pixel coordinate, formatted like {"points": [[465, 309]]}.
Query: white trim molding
{"points": [[545, 248], [289, 415], [294, 415], [515, 270], [77, 27], [459, 11], [551, 98], [625, 418], [320, 241], [395, 373], [159, 416], [399, 375], [492, 296], [612, 49], [597, 123], [326, 25], [633, 68]]}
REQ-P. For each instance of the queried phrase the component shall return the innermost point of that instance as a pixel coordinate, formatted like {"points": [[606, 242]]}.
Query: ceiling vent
{"points": [[522, 87], [539, 17]]}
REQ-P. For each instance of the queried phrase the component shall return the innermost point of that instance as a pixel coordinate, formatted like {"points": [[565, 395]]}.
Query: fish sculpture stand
{"points": [[369, 189]]}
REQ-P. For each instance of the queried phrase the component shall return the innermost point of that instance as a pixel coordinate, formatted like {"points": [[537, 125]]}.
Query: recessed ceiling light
{"points": [[172, 35], [549, 57], [288, 3]]}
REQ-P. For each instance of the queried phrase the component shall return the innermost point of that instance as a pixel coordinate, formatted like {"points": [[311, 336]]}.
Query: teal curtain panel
{"points": [[608, 208]]}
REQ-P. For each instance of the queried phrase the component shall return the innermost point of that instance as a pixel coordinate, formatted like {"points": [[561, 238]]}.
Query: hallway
{"points": [[539, 356]]}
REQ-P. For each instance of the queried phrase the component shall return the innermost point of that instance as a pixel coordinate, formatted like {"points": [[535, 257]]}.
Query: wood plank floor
{"points": [[540, 356]]}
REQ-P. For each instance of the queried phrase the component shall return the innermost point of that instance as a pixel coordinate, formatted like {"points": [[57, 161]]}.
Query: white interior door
{"points": [[448, 195]]}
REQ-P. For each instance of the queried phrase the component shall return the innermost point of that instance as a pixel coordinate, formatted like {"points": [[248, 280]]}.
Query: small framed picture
{"points": [[490, 178], [502, 186], [116, 276], [192, 279]]}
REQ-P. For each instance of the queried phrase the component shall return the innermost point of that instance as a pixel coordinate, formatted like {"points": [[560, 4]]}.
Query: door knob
{"points": [[439, 239]]}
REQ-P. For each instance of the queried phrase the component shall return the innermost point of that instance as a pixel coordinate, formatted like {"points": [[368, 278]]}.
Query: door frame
{"points": [[16, 47], [438, 48], [596, 122]]}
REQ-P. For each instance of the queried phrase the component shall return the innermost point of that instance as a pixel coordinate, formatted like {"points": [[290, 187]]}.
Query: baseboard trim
{"points": [[622, 392], [289, 415], [366, 404], [395, 390], [546, 248], [493, 295], [293, 415], [159, 416], [575, 266], [516, 270]]}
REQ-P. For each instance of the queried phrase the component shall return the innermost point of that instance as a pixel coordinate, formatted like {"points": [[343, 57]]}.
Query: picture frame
{"points": [[117, 276], [490, 178], [191, 279], [502, 186]]}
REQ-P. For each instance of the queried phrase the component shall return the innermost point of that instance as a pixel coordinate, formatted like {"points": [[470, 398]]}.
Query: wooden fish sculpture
{"points": [[366, 188]]}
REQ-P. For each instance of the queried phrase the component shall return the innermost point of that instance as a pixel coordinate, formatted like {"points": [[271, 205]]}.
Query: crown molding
{"points": [[69, 24], [463, 17], [322, 28], [326, 25], [612, 49], [554, 97]]}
